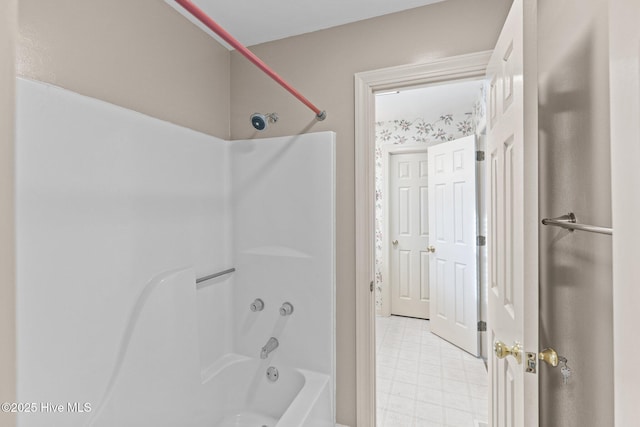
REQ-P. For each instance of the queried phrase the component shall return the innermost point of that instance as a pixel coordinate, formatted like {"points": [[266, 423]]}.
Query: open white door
{"points": [[512, 321], [409, 269], [452, 231]]}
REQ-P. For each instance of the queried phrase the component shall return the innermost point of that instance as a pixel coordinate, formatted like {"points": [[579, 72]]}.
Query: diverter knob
{"points": [[286, 309], [257, 305]]}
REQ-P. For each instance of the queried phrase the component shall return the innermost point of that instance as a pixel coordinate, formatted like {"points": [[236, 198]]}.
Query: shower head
{"points": [[261, 121]]}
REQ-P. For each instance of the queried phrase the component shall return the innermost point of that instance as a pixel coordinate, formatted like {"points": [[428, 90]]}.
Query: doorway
{"points": [[426, 187], [460, 68]]}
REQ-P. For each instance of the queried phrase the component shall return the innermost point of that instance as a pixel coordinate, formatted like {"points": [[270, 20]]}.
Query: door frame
{"points": [[624, 78], [387, 152], [469, 66]]}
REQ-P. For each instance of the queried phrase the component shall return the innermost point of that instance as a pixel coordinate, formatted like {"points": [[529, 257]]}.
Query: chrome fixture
{"points": [[214, 275], [257, 305], [570, 222], [286, 309], [272, 374], [271, 345], [261, 121]]}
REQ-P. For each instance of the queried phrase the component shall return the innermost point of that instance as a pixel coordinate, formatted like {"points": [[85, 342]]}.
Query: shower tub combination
{"points": [[298, 398], [236, 391], [118, 214]]}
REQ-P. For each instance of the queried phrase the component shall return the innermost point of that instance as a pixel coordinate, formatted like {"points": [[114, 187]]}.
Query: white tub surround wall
{"points": [[107, 199], [283, 200], [118, 213], [144, 387]]}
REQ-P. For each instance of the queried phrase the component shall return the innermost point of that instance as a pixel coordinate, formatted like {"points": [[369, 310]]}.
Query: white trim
{"points": [[366, 83], [624, 81], [387, 151], [365, 300]]}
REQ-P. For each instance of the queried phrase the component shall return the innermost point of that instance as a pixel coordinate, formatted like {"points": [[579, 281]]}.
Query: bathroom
{"points": [[145, 57]]}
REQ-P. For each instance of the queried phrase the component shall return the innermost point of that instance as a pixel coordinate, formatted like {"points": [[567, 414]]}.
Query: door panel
{"points": [[424, 277], [512, 220], [452, 219], [409, 226], [424, 208]]}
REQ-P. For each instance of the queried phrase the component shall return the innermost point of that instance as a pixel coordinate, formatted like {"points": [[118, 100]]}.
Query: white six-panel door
{"points": [[512, 223], [452, 227], [408, 214]]}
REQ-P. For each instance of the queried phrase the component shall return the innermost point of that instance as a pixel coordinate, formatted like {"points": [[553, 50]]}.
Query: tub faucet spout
{"points": [[271, 345]]}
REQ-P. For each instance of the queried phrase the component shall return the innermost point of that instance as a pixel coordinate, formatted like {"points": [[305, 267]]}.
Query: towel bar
{"points": [[568, 221]]}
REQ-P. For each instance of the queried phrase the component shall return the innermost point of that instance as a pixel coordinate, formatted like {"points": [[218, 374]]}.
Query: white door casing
{"points": [[452, 230], [409, 235], [512, 219], [624, 48]]}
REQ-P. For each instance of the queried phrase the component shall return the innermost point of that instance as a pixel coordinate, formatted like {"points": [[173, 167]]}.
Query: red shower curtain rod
{"points": [[213, 25]]}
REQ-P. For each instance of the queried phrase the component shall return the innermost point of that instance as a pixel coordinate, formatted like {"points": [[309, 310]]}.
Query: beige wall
{"points": [[322, 65], [8, 27], [141, 55], [576, 303]]}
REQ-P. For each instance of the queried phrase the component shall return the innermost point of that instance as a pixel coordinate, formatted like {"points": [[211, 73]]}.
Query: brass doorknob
{"points": [[395, 243], [431, 249], [502, 350], [549, 356]]}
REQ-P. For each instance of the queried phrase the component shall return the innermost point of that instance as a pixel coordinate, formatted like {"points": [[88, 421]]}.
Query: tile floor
{"points": [[424, 381]]}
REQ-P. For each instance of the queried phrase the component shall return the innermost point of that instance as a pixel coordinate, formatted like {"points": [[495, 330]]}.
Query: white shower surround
{"points": [[110, 201]]}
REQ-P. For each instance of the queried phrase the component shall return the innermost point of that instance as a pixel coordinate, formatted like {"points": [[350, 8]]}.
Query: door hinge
{"points": [[371, 286], [479, 156], [482, 326], [481, 241]]}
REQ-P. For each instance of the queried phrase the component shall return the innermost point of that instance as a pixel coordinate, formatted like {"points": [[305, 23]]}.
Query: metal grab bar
{"points": [[568, 221], [214, 275]]}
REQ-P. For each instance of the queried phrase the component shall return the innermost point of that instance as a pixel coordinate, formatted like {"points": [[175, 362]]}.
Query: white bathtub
{"points": [[156, 380], [237, 393]]}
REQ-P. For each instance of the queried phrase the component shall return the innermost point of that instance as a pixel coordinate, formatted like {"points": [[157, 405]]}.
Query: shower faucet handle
{"points": [[286, 309], [257, 305]]}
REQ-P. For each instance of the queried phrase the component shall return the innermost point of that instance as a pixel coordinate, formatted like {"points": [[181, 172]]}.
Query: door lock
{"points": [[431, 249], [502, 350], [549, 356]]}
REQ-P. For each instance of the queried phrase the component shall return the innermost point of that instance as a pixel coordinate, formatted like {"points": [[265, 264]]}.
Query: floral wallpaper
{"points": [[446, 127], [479, 111]]}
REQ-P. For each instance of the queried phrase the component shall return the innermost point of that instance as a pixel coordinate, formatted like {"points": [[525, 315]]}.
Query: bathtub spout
{"points": [[271, 345]]}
